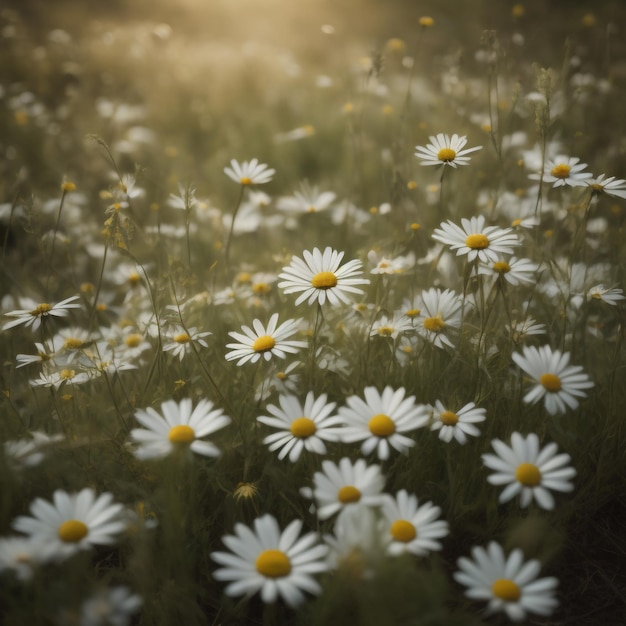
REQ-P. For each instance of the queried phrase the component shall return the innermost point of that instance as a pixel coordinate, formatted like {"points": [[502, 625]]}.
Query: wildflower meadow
{"points": [[312, 313]]}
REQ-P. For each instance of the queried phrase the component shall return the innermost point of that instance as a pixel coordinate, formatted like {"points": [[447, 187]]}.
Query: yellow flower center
{"points": [[448, 418], [72, 531], [516, 223], [597, 188], [67, 374], [412, 312], [386, 331], [73, 344], [303, 427], [477, 241], [182, 338], [133, 340], [561, 170], [245, 180], [426, 21], [312, 209], [402, 530], [348, 494], [263, 343], [273, 564], [446, 155], [381, 425], [134, 278], [434, 324], [324, 280], [181, 434], [501, 267], [528, 474], [550, 382], [261, 288], [506, 590], [41, 309]]}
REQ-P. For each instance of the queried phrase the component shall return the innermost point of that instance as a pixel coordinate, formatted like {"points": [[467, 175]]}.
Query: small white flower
{"points": [[391, 326], [440, 312], [445, 150], [608, 295], [35, 313], [507, 583], [459, 424], [21, 555], [182, 340], [514, 271], [563, 170], [249, 173], [610, 186], [307, 200], [110, 607], [520, 330]]}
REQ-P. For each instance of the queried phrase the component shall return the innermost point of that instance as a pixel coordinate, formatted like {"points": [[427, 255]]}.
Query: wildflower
{"points": [[182, 340], [61, 376], [563, 170], [445, 150], [301, 427], [285, 381], [607, 295], [611, 186], [380, 419], [274, 563], [178, 427], [34, 314], [42, 356], [529, 470], [22, 555], [249, 173], [345, 484], [307, 200], [557, 382], [185, 200], [72, 522], [514, 271], [391, 327], [521, 330], [476, 240], [507, 583], [383, 265], [110, 606], [320, 277], [440, 312], [30, 452], [459, 424], [411, 527], [264, 341]]}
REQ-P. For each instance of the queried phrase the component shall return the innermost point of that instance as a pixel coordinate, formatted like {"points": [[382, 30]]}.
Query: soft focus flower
{"points": [[181, 341], [110, 607], [249, 173], [608, 295], [457, 424], [563, 170], [35, 313], [611, 186], [445, 150]]}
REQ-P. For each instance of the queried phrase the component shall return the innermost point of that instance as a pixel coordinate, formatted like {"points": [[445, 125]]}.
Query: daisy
{"points": [[445, 150], [113, 606], [380, 419], [520, 330], [249, 173], [320, 278], [179, 427], [391, 327], [607, 295], [563, 170], [22, 555], [181, 341], [411, 527], [274, 563], [440, 312], [30, 452], [302, 427], [507, 583], [514, 271], [476, 240], [36, 313], [43, 356], [264, 341], [557, 382], [459, 424], [609, 186], [307, 200], [342, 485], [72, 522]]}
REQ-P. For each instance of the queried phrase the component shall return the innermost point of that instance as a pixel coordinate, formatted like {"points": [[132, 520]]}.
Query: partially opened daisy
{"points": [[440, 314], [321, 277], [556, 382], [445, 150], [476, 240], [301, 427], [72, 522], [507, 583], [608, 295], [411, 527], [180, 426], [610, 186], [249, 173], [380, 419], [35, 313], [457, 424], [264, 341], [344, 484], [276, 564], [529, 470], [563, 170]]}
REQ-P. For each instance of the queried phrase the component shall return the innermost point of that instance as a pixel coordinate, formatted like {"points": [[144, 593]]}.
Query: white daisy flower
{"points": [[114, 607], [72, 522], [380, 420], [563, 170], [306, 200], [608, 295], [274, 563], [43, 356], [179, 427], [320, 278], [445, 150], [181, 340], [249, 173], [459, 424], [391, 326], [32, 451], [611, 186], [440, 312], [21, 555], [520, 330], [411, 527], [345, 484], [301, 427], [476, 240], [528, 470], [514, 271], [507, 583], [36, 313], [58, 377], [264, 341], [557, 382]]}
